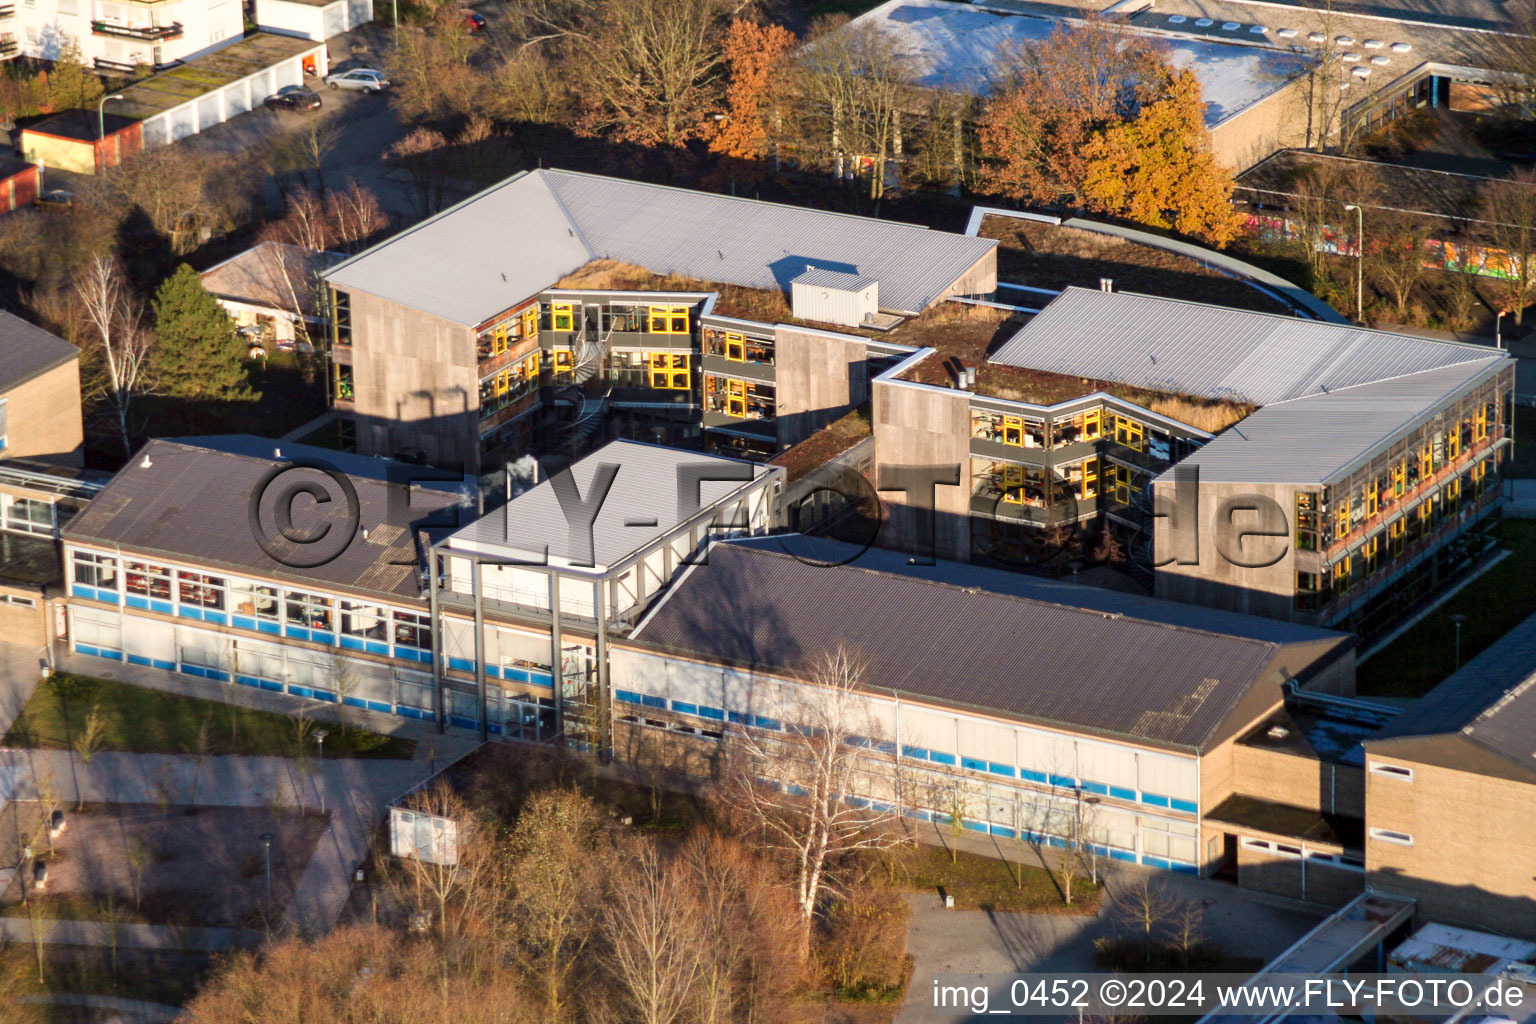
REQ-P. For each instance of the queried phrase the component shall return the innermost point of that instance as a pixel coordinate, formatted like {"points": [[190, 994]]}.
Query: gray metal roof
{"points": [[27, 350], [1491, 701], [1075, 667], [1042, 588], [1190, 348], [194, 503], [647, 499], [816, 277], [476, 259], [1323, 438], [495, 249]]}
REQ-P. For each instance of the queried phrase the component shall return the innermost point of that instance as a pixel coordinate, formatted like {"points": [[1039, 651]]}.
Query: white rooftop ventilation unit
{"points": [[833, 297]]}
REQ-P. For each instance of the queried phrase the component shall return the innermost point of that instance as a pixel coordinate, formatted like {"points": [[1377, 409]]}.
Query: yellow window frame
{"points": [[1341, 522], [562, 316], [1479, 471], [499, 339], [667, 319], [1122, 478], [531, 322], [565, 359], [1013, 484], [1341, 572], [531, 367], [503, 382], [669, 371], [1399, 478], [736, 399], [1480, 424], [1093, 425], [1013, 431], [1452, 443], [1372, 498], [1453, 489], [1090, 482], [1426, 461], [735, 347], [1129, 432], [1395, 532]]}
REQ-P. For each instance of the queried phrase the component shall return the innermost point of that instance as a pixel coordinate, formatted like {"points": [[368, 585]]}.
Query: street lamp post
{"points": [[320, 735], [101, 114], [1458, 619], [266, 840], [1498, 329], [1359, 260]]}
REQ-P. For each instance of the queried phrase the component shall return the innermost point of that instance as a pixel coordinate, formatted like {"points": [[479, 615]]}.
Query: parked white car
{"points": [[358, 78]]}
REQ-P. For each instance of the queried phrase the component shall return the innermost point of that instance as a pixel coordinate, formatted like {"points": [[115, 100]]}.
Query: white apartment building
{"points": [[120, 35]]}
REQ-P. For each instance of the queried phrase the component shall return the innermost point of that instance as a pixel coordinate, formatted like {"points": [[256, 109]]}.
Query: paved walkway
{"points": [[134, 1010], [1241, 922], [135, 936], [354, 791]]}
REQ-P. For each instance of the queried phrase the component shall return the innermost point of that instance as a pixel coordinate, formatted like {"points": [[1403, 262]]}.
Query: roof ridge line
{"points": [[1379, 380]]}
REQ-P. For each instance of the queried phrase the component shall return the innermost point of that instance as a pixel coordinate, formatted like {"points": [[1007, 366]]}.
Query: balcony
{"points": [[7, 11], [9, 47], [141, 33], [119, 67]]}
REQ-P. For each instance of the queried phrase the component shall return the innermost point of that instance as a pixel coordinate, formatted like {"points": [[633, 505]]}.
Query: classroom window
{"points": [[1399, 476], [28, 515], [1392, 771], [1013, 431], [1090, 484], [1452, 443], [1341, 521], [1129, 432], [195, 588], [254, 600], [1012, 480], [1093, 424], [735, 348], [565, 359], [412, 630], [1480, 424], [1369, 551], [531, 322], [1341, 574], [1426, 461], [1395, 532], [96, 570], [562, 316], [1306, 521], [1372, 498], [736, 399], [309, 610], [147, 580], [669, 370], [363, 620], [668, 320]]}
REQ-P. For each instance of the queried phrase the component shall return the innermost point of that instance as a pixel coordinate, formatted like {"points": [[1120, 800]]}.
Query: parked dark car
{"points": [[56, 199], [474, 21], [293, 97]]}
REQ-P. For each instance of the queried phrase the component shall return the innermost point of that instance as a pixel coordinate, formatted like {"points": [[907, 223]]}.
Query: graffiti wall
{"points": [[1439, 254]]}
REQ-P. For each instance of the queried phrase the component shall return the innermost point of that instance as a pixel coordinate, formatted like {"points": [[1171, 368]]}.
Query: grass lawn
{"points": [[1494, 603], [144, 721], [987, 884]]}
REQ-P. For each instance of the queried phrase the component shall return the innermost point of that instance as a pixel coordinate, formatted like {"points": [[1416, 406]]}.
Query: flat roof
{"points": [[209, 73], [481, 257], [647, 498], [27, 351], [1055, 663], [1490, 702], [956, 47], [181, 500]]}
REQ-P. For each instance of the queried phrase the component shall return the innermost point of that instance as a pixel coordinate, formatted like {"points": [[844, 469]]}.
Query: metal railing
{"points": [[144, 33]]}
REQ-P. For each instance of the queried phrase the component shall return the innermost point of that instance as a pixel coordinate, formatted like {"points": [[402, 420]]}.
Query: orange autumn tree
{"points": [[754, 59], [1049, 99], [1156, 169]]}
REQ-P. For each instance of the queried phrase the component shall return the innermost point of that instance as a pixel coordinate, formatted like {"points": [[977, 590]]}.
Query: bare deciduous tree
{"points": [[449, 879], [792, 784], [1509, 208], [119, 344], [651, 927], [853, 82]]}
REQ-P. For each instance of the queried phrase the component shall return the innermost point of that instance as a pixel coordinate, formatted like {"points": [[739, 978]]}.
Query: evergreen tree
{"points": [[199, 355], [71, 84]]}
